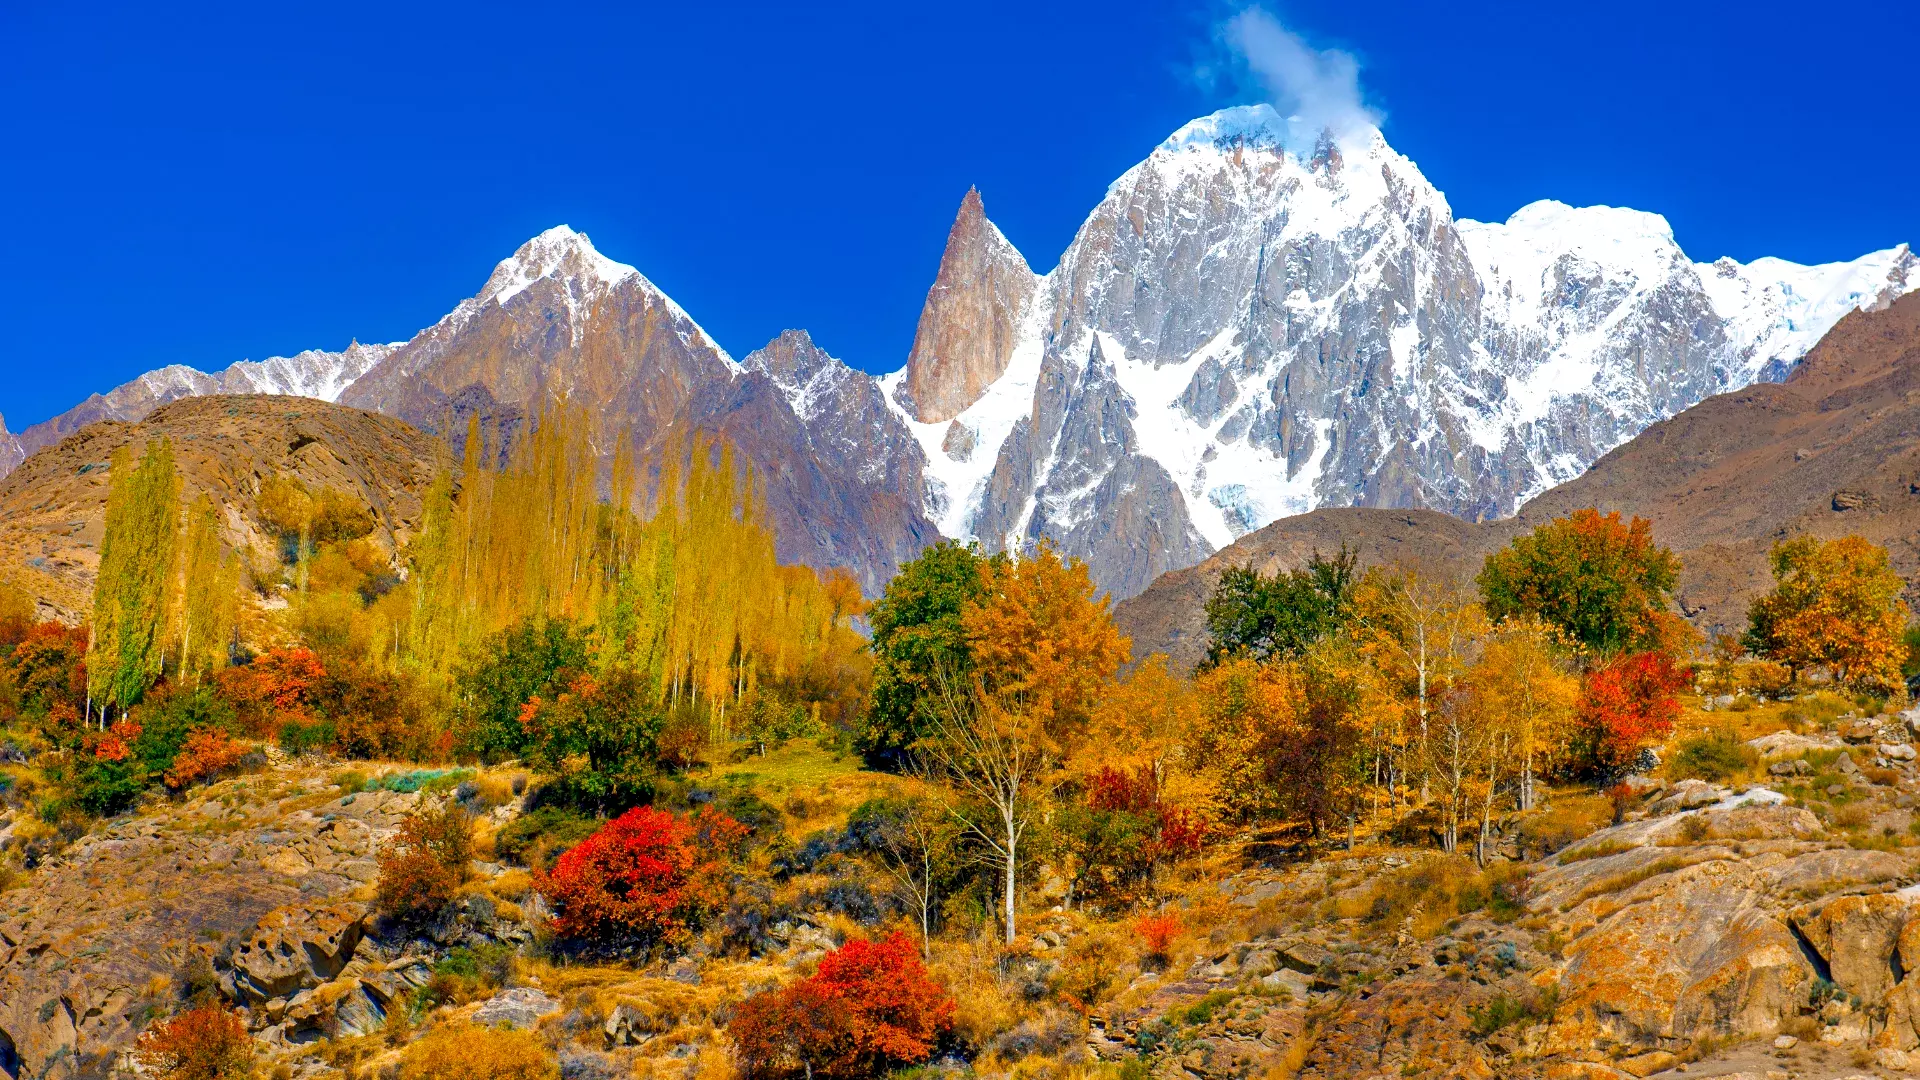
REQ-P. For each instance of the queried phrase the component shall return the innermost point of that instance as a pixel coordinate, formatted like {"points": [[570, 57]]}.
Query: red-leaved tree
{"points": [[1625, 704], [646, 874], [870, 1008]]}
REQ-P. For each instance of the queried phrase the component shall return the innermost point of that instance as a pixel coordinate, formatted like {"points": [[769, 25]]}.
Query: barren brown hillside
{"points": [[53, 505], [1834, 450]]}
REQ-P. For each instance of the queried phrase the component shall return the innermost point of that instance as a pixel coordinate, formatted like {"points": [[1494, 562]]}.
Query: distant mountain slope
{"points": [[1833, 450], [314, 373], [52, 508]]}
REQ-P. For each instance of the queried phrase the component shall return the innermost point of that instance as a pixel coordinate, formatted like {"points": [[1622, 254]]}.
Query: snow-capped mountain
{"points": [[841, 476], [313, 373], [1247, 328], [11, 452]]}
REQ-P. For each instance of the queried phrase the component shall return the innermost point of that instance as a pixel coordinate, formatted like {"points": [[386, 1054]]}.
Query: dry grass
{"points": [[1627, 879]]}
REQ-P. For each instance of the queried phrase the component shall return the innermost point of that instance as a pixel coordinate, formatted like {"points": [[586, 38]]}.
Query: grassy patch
{"points": [[1505, 1010], [1714, 756], [1627, 879], [1597, 850]]}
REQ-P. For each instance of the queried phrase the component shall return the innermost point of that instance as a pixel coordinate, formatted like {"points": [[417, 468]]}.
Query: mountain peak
{"points": [[968, 328], [1262, 126], [557, 252]]}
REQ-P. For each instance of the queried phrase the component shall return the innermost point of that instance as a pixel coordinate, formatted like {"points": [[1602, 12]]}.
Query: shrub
{"points": [[1626, 703], [1157, 933], [427, 862], [468, 1052], [1714, 756], [871, 1007], [207, 753], [204, 1043], [538, 837], [646, 874], [599, 738]]}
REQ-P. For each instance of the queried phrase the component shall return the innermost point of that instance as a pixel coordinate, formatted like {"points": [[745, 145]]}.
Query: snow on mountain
{"points": [[314, 373], [1250, 325]]}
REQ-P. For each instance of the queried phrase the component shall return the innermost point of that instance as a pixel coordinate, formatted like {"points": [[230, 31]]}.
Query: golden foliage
{"points": [[1835, 604], [469, 1052]]}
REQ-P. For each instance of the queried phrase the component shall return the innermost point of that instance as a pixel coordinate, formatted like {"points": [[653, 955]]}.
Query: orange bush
{"points": [[207, 751], [871, 1007], [205, 1043], [426, 862], [646, 873], [1626, 704], [276, 686], [1157, 932]]}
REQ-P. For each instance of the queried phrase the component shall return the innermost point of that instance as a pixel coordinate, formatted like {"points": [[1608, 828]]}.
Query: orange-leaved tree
{"points": [[1834, 604], [204, 1043], [1601, 580], [871, 1007], [647, 874]]}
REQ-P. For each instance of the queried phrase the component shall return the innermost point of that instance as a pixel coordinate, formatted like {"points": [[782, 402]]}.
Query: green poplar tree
{"points": [[136, 567]]}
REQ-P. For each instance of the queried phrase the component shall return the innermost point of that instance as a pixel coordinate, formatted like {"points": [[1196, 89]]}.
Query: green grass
{"points": [[799, 763]]}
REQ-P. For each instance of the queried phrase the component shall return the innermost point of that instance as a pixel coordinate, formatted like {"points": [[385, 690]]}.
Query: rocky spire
{"points": [[971, 319]]}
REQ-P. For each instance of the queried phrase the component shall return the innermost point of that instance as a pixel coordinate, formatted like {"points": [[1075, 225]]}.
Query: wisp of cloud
{"points": [[1316, 89]]}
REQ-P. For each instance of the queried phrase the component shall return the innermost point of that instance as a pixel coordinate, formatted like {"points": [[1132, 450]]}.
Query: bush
{"points": [[468, 1052], [207, 753], [871, 1007], [1713, 756], [646, 875], [1157, 933], [204, 1043], [425, 864], [538, 837]]}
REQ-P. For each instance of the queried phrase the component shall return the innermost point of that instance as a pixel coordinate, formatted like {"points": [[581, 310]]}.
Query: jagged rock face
{"points": [[971, 322], [314, 373], [1253, 330]]}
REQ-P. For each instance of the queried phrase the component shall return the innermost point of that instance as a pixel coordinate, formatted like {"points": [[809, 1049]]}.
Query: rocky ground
{"points": [[1765, 930]]}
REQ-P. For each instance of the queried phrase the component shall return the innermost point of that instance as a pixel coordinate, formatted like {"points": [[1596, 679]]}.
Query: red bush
{"points": [[1626, 704], [1178, 833], [645, 873], [277, 685], [870, 1007], [1157, 932], [207, 1043], [206, 752]]}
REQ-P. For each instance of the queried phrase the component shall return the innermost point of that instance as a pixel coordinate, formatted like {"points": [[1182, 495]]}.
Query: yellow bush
{"points": [[467, 1052]]}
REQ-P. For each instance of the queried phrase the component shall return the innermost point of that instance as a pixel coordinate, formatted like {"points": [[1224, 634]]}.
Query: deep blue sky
{"points": [[195, 184]]}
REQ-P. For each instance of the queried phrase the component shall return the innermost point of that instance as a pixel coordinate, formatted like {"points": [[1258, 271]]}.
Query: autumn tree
{"points": [[1281, 614], [1626, 703], [131, 590], [1601, 580], [1835, 604], [1523, 678], [1419, 630], [208, 1042], [209, 592]]}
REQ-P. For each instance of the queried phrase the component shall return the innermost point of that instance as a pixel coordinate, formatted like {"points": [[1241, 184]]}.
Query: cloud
{"points": [[1316, 89]]}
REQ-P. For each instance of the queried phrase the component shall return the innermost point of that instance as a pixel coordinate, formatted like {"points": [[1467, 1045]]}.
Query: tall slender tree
{"points": [[137, 552]]}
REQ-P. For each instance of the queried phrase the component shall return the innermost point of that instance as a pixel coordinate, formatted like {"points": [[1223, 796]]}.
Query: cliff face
{"points": [[972, 319]]}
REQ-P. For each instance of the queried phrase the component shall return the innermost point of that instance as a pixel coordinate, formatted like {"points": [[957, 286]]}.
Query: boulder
{"points": [[519, 1007], [1688, 795], [1856, 937], [1699, 955], [295, 947], [1859, 731], [1898, 751], [1305, 957], [339, 1009], [1787, 744], [627, 1025]]}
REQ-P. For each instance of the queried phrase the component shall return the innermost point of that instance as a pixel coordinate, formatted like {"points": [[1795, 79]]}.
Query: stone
{"points": [[628, 1026], [1648, 1063], [518, 1007], [1688, 795], [1305, 957], [1898, 751], [685, 970], [1836, 789], [297, 946], [1289, 981], [1785, 1042], [1859, 731]]}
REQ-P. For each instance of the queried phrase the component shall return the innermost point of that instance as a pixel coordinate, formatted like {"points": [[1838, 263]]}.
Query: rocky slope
{"points": [[314, 373], [53, 508], [11, 452], [1832, 450], [1247, 328]]}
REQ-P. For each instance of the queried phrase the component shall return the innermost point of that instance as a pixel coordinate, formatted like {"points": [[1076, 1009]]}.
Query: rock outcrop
{"points": [[972, 320]]}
